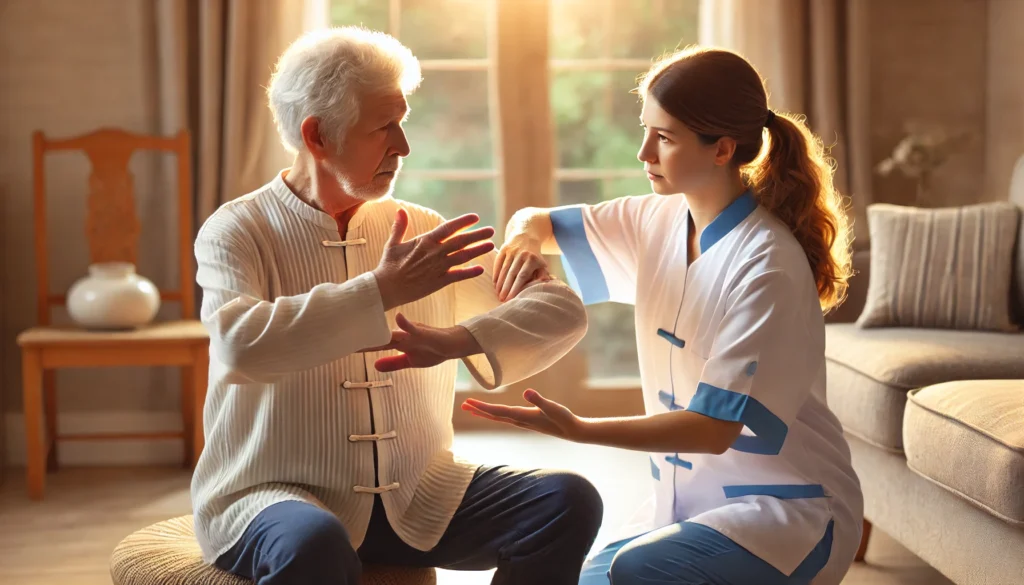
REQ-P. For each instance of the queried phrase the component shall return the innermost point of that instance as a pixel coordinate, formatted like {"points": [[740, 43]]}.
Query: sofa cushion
{"points": [[948, 268], [968, 437], [871, 370]]}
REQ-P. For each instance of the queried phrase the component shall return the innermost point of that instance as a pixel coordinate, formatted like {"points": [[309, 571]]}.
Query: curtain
{"points": [[215, 58], [813, 55]]}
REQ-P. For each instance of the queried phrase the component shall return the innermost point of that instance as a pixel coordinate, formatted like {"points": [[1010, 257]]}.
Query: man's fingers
{"points": [[461, 240], [448, 228], [398, 337], [393, 363], [463, 256], [398, 228], [405, 324], [459, 274]]}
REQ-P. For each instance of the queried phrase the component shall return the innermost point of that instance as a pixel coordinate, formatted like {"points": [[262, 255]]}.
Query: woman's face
{"points": [[675, 159]]}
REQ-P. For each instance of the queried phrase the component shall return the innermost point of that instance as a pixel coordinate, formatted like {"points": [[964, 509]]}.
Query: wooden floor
{"points": [[67, 538]]}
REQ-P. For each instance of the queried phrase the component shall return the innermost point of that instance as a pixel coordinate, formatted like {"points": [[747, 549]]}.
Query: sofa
{"points": [[935, 423]]}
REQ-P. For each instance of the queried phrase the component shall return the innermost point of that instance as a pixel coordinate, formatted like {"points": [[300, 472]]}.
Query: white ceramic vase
{"points": [[113, 296]]}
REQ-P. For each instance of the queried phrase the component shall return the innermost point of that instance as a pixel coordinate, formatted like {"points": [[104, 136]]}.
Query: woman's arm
{"points": [[678, 431], [531, 226]]}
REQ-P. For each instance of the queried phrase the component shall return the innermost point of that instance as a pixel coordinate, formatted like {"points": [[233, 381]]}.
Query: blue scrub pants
{"points": [[687, 553]]}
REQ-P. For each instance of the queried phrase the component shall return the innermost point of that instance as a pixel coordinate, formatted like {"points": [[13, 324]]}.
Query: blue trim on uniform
{"points": [[769, 430], [730, 217], [666, 399], [671, 338], [675, 460], [816, 560], [581, 266], [655, 472], [783, 492]]}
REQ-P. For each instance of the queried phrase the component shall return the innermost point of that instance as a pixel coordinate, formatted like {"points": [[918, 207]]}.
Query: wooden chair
{"points": [[112, 229]]}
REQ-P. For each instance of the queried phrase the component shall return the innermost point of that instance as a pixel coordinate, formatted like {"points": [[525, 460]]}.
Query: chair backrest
{"points": [[1017, 196], [112, 226]]}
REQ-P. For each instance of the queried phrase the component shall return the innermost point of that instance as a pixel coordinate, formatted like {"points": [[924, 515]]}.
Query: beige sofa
{"points": [[935, 421]]}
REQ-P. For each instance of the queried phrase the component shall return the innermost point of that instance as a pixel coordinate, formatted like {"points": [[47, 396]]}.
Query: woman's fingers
{"points": [[513, 274], [480, 413], [506, 271], [499, 263], [514, 412], [530, 272]]}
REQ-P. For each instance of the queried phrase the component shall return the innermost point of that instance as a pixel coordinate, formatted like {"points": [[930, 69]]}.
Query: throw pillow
{"points": [[945, 268]]}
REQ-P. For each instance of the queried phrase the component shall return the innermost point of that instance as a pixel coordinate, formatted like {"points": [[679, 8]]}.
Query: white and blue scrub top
{"points": [[736, 335]]}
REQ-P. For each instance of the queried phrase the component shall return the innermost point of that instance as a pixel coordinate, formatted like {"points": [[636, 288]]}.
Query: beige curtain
{"points": [[215, 60], [813, 54]]}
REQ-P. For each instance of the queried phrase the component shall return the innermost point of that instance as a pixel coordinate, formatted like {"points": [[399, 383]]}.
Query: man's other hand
{"points": [[423, 346]]}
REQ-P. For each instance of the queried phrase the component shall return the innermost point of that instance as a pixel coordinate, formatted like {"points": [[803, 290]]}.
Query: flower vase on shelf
{"points": [[921, 152], [113, 297]]}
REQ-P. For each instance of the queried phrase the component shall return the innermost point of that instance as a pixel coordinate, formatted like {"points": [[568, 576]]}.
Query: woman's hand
{"points": [[519, 263], [546, 416], [423, 346]]}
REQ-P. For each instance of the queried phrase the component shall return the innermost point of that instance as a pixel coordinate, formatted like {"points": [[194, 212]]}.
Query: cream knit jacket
{"points": [[289, 302]]}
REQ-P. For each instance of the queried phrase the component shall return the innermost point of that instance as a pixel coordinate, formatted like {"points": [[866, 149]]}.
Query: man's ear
{"points": [[312, 138], [724, 149]]}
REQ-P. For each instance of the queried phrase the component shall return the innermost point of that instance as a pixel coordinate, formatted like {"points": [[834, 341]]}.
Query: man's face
{"points": [[372, 150]]}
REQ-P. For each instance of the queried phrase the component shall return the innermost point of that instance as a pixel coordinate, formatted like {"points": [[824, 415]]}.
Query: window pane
{"points": [[453, 198], [445, 29], [448, 125], [372, 14], [592, 29], [621, 187], [610, 343], [571, 192], [597, 119]]}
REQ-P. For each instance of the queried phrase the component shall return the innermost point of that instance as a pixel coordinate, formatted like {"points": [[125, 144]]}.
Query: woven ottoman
{"points": [[167, 553]]}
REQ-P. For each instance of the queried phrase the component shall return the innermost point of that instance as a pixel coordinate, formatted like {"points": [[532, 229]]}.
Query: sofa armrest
{"points": [[857, 293]]}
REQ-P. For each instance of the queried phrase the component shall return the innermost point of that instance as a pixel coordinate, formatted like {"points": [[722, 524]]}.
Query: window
{"points": [[530, 104], [598, 50]]}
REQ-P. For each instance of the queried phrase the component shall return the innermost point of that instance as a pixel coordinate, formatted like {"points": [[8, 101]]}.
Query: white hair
{"points": [[323, 73]]}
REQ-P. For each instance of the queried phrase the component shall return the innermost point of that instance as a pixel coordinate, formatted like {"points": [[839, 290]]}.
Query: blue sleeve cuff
{"points": [[581, 265], [769, 430]]}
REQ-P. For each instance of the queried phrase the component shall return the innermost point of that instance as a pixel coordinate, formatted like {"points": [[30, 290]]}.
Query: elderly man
{"points": [[328, 419]]}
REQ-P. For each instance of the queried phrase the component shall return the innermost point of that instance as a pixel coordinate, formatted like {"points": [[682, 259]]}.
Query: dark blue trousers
{"points": [[535, 527]]}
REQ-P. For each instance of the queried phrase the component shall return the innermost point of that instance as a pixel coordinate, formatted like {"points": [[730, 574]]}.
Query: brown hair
{"points": [[717, 93]]}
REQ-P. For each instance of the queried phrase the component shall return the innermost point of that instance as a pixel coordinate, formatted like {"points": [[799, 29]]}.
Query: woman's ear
{"points": [[725, 148]]}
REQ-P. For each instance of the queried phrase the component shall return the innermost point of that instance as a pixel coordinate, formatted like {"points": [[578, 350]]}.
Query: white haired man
{"points": [[328, 428]]}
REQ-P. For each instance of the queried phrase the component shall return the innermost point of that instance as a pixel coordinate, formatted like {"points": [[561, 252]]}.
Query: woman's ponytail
{"points": [[792, 178]]}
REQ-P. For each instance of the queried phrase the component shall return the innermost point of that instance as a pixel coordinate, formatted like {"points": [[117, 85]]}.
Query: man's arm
{"points": [[260, 339], [523, 336]]}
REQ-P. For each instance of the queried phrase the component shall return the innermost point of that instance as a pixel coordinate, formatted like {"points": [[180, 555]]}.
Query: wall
{"points": [[929, 63], [69, 67], [1005, 137]]}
